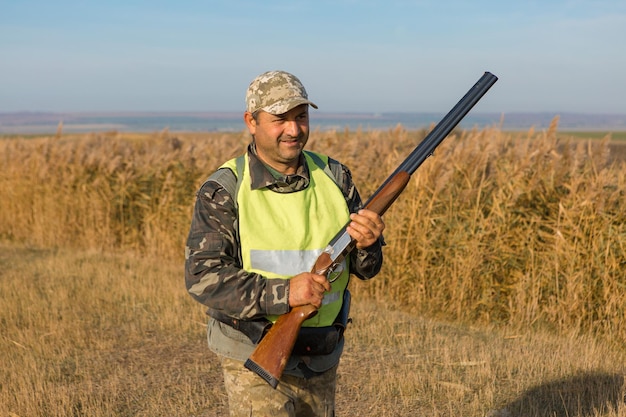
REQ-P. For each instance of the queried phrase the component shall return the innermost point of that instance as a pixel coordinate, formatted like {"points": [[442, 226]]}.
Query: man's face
{"points": [[280, 139]]}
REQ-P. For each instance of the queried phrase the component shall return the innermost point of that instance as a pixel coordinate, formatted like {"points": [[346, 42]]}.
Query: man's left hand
{"points": [[365, 227]]}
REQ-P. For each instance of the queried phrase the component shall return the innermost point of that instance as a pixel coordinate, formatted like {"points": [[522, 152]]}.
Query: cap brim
{"points": [[284, 106]]}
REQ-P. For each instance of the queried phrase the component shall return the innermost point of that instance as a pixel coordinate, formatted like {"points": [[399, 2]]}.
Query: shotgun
{"points": [[270, 356]]}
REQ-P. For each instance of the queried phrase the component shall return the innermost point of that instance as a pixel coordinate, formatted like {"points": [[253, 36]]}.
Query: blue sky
{"points": [[352, 56]]}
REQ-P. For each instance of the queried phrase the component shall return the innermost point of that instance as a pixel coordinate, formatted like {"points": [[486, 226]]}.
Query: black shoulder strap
{"points": [[229, 180], [332, 168]]}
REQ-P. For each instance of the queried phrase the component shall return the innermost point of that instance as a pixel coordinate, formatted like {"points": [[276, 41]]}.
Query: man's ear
{"points": [[250, 122]]}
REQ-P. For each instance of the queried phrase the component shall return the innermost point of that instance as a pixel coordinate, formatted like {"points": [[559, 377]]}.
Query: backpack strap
{"points": [[229, 179], [331, 167]]}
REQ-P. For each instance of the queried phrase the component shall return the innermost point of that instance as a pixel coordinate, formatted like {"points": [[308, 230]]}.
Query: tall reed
{"points": [[526, 229]]}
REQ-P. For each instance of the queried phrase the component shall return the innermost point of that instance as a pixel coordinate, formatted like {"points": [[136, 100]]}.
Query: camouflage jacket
{"points": [[213, 267]]}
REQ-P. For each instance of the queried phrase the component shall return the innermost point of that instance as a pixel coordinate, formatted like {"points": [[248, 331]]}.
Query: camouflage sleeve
{"points": [[213, 271], [364, 263]]}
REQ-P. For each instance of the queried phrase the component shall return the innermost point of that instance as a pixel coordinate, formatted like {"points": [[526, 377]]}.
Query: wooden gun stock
{"points": [[271, 355]]}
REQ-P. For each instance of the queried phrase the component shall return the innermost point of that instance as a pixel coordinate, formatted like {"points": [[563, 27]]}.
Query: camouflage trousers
{"points": [[250, 396]]}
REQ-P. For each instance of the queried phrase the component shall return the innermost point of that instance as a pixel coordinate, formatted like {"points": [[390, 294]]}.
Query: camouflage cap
{"points": [[276, 92]]}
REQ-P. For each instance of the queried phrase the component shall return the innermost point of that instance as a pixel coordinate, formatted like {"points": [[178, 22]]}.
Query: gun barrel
{"points": [[448, 123], [427, 146]]}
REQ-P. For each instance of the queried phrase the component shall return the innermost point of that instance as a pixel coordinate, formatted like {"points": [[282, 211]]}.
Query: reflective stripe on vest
{"points": [[282, 234]]}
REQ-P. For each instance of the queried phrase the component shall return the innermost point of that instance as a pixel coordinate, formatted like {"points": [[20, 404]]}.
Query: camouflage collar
{"points": [[264, 176]]}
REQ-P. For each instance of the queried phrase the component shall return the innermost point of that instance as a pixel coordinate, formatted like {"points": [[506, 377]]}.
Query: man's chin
{"points": [[291, 148]]}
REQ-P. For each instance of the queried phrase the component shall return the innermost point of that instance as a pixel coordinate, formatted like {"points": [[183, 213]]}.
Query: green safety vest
{"points": [[282, 234]]}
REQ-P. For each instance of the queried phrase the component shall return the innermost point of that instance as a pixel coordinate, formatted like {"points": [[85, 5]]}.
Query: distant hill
{"points": [[44, 123]]}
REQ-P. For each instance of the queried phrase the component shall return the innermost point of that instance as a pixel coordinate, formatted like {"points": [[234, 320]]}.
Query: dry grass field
{"points": [[502, 293]]}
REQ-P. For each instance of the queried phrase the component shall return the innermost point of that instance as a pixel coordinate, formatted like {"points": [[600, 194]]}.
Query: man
{"points": [[258, 225]]}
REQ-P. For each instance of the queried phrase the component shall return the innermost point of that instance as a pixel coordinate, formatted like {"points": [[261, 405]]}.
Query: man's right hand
{"points": [[307, 288]]}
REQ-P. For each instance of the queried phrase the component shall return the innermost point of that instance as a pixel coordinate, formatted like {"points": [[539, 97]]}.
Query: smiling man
{"points": [[259, 223]]}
